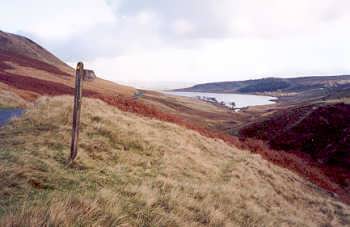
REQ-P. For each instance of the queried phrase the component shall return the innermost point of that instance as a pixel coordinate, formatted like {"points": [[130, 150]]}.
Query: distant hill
{"points": [[269, 85], [22, 46]]}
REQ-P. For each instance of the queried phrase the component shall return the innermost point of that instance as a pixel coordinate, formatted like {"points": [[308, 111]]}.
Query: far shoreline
{"points": [[273, 100]]}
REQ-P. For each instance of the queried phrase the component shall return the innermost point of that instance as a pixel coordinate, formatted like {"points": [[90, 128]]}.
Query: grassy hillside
{"points": [[133, 171], [30, 78], [320, 130], [9, 99], [29, 71], [22, 46]]}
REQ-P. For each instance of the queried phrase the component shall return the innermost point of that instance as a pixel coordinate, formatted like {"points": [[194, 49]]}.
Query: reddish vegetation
{"points": [[42, 87], [298, 162], [326, 177], [323, 132], [28, 62], [320, 133]]}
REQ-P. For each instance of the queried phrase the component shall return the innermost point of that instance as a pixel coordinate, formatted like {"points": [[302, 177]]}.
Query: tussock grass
{"points": [[133, 171], [10, 100]]}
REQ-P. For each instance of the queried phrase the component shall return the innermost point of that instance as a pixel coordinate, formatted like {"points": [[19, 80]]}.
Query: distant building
{"points": [[89, 75]]}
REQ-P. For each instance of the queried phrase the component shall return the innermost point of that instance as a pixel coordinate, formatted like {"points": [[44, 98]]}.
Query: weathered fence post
{"points": [[79, 76]]}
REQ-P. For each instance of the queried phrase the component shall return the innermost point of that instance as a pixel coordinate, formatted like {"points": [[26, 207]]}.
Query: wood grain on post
{"points": [[76, 112]]}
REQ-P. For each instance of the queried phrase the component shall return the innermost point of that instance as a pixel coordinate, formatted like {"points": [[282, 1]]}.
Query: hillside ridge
{"points": [[272, 84], [23, 46]]}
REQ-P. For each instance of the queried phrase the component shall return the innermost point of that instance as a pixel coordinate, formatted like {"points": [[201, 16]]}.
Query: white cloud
{"points": [[231, 59], [182, 27], [55, 19], [145, 17], [190, 40]]}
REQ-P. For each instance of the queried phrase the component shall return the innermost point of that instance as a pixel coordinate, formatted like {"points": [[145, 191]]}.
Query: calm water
{"points": [[240, 100], [7, 114]]}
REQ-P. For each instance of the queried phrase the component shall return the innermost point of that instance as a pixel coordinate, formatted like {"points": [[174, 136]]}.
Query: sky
{"points": [[177, 42]]}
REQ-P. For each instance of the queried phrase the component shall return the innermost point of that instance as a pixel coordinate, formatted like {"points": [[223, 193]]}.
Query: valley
{"points": [[152, 159]]}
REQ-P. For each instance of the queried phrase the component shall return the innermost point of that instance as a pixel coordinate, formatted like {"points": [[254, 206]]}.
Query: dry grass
{"points": [[133, 171], [193, 110], [345, 100], [98, 85], [10, 99]]}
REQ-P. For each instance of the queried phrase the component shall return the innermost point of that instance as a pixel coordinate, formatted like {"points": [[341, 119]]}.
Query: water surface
{"points": [[7, 113], [239, 99]]}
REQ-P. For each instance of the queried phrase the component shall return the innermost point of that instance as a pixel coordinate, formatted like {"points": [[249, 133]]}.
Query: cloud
{"points": [[55, 20], [182, 27], [231, 59], [193, 40], [235, 18]]}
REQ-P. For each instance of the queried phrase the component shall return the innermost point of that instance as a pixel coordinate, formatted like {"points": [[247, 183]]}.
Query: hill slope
{"points": [[29, 71], [272, 85], [320, 130], [139, 172], [22, 46]]}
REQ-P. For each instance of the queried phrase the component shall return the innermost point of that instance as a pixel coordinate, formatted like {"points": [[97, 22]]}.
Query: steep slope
{"points": [[22, 46], [31, 78], [134, 171], [320, 130], [29, 70]]}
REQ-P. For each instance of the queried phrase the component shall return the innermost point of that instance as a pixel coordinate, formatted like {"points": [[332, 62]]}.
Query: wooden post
{"points": [[76, 112]]}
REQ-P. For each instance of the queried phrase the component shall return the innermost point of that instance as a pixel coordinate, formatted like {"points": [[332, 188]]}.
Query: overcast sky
{"points": [[189, 40]]}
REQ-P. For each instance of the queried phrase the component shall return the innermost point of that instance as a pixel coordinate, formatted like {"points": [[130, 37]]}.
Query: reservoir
{"points": [[241, 100]]}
